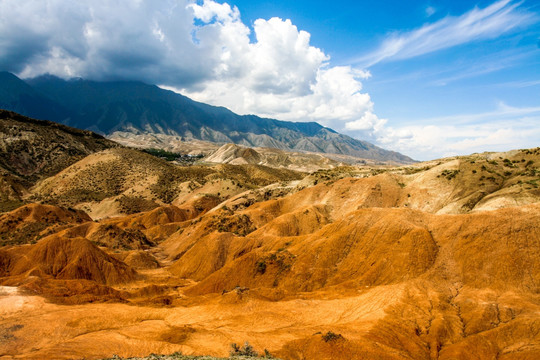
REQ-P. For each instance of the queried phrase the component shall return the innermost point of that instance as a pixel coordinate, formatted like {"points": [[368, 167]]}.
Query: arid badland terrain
{"points": [[106, 250]]}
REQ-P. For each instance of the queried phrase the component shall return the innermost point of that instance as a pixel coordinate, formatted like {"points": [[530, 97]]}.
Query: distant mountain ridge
{"points": [[106, 107]]}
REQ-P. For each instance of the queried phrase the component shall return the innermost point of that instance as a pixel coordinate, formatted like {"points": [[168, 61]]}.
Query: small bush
{"points": [[246, 350], [261, 266], [449, 174], [331, 336], [508, 163]]}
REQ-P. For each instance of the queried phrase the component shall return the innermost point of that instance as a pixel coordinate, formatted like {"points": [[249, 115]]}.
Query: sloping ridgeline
{"points": [[106, 107]]}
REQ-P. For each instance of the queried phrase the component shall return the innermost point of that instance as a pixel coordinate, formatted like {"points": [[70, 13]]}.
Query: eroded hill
{"points": [[126, 181], [433, 261], [31, 150]]}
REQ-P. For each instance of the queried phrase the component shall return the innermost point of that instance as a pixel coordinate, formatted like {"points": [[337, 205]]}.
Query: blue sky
{"points": [[426, 78], [468, 82]]}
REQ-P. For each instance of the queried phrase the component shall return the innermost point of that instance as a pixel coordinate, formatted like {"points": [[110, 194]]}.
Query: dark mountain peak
{"points": [[12, 85], [19, 96], [6, 75]]}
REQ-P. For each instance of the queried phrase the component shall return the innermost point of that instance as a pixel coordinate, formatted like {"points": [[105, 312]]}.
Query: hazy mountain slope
{"points": [[171, 143], [107, 107], [16, 95]]}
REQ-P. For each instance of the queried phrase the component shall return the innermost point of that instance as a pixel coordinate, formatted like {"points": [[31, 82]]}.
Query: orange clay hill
{"points": [[124, 254]]}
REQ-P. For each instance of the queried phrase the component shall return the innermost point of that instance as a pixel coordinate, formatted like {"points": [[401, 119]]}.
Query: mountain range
{"points": [[138, 108]]}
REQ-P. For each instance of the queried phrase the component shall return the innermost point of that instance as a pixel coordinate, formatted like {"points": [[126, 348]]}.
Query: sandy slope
{"points": [[437, 261]]}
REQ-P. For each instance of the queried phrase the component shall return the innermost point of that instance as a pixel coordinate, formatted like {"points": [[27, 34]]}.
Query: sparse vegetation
{"points": [[135, 204], [261, 266], [508, 163], [245, 350], [238, 224], [172, 156], [281, 260], [6, 333], [331, 336], [415, 170], [9, 205], [180, 356], [534, 183], [449, 174]]}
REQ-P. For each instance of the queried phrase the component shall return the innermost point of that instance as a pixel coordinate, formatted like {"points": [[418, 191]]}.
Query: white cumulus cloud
{"points": [[201, 48], [504, 129]]}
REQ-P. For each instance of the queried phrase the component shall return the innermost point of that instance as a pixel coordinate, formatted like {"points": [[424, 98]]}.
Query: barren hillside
{"points": [[433, 261]]}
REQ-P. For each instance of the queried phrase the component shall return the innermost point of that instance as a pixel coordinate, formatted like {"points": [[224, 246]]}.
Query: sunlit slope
{"points": [[126, 181], [435, 261]]}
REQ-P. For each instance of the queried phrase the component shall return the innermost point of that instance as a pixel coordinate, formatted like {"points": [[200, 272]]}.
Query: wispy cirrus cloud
{"points": [[430, 10], [477, 24]]}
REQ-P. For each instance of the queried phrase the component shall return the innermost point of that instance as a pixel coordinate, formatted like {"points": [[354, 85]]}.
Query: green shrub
{"points": [[246, 350], [261, 266], [331, 336]]}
